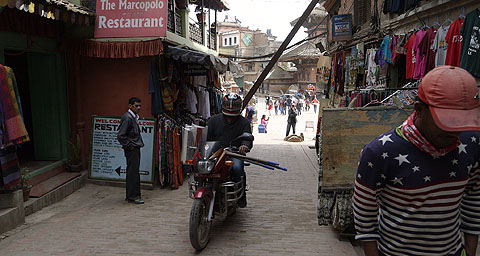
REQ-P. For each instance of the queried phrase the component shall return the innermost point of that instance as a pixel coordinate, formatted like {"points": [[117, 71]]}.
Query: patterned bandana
{"points": [[415, 137]]}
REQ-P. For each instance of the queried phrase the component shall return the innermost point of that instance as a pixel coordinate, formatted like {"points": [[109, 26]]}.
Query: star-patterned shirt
{"points": [[413, 203]]}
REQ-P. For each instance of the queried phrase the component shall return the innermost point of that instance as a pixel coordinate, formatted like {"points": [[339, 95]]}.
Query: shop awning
{"points": [[116, 50], [194, 57]]}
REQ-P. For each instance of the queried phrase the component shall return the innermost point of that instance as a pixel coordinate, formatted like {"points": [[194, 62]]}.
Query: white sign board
{"points": [[107, 159]]}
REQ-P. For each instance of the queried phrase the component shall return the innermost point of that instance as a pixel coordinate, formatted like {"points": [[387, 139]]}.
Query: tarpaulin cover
{"points": [[194, 57], [118, 50]]}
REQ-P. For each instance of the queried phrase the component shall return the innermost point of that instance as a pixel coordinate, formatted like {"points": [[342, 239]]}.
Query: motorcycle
{"points": [[212, 190]]}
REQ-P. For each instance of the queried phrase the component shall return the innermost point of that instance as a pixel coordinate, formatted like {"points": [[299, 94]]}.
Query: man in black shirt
{"points": [[131, 141], [226, 127], [292, 119]]}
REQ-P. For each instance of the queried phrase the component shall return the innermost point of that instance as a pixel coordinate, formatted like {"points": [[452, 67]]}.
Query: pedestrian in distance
{"points": [[264, 121], [129, 137], [299, 107], [315, 104], [417, 186], [249, 114], [270, 107], [275, 105], [292, 119]]}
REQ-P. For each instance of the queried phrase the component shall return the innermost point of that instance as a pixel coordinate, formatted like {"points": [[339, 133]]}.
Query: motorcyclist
{"points": [[226, 127]]}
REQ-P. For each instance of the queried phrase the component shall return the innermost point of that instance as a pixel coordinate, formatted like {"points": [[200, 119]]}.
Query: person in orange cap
{"points": [[417, 186]]}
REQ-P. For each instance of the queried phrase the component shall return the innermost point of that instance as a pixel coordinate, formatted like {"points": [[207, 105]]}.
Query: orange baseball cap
{"points": [[453, 98]]}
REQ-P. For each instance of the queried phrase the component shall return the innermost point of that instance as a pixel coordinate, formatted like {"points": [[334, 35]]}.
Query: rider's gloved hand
{"points": [[243, 149]]}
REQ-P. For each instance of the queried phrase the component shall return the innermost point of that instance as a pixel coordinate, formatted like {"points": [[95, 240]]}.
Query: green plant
{"points": [[76, 154], [25, 177]]}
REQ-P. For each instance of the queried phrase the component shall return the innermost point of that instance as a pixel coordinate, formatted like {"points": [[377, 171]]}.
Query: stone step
{"points": [[55, 195], [9, 219]]}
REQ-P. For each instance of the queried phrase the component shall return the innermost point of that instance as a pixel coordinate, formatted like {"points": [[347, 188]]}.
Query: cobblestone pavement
{"points": [[280, 219]]}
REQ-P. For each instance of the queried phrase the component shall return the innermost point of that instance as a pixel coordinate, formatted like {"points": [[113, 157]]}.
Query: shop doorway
{"points": [[42, 103]]}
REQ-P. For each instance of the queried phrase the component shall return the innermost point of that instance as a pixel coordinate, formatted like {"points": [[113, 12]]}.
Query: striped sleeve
{"points": [[368, 183], [470, 206]]}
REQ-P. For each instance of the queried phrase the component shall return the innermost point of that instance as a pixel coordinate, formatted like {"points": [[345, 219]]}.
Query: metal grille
{"points": [[196, 33]]}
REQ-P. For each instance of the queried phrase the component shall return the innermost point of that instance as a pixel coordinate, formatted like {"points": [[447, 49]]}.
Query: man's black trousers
{"points": [[288, 128], [133, 174]]}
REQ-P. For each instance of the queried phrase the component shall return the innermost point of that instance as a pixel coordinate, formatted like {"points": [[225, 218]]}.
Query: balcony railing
{"points": [[212, 41], [196, 33], [174, 22]]}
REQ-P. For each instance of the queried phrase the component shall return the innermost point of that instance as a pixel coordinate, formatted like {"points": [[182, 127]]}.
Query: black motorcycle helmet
{"points": [[232, 104]]}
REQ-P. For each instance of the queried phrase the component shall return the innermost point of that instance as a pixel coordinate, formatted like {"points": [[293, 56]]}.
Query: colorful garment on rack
{"points": [[454, 41], [10, 175], [411, 58], [440, 45], [470, 51], [426, 49], [14, 131], [419, 68], [155, 89]]}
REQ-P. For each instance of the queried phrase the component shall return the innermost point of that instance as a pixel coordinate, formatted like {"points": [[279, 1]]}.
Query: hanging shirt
{"points": [[204, 104], [470, 53], [191, 101], [440, 45], [426, 49], [386, 51], [419, 69], [410, 57], [454, 41], [371, 67]]}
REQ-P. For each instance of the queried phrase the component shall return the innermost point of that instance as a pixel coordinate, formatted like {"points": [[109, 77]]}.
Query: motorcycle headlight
{"points": [[206, 166]]}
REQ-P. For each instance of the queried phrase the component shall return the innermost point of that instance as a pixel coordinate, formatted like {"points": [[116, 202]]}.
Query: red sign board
{"points": [[131, 18]]}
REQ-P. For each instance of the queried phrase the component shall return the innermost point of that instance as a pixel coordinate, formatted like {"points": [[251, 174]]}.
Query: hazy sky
{"points": [[264, 14]]}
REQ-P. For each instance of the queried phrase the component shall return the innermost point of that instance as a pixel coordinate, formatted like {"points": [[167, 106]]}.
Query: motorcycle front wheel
{"points": [[199, 224]]}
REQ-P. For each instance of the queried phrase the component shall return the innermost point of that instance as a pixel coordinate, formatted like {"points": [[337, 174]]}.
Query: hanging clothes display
{"points": [[12, 130], [470, 50], [454, 41], [12, 127], [426, 50], [411, 58], [440, 45]]}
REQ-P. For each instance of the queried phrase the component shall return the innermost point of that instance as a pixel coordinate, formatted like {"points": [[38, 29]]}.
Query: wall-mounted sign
{"points": [[247, 39], [342, 27], [131, 18], [107, 159]]}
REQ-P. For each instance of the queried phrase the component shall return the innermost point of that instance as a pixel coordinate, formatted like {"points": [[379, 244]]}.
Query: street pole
{"points": [[279, 52]]}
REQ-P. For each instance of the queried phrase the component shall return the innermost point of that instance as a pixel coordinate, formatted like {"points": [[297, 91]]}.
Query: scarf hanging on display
{"points": [[416, 138], [14, 131]]}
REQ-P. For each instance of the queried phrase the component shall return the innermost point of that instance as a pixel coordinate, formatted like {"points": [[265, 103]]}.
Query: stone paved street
{"points": [[280, 218]]}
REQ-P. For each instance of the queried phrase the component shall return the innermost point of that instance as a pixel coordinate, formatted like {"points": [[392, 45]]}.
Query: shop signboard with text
{"points": [[131, 18], [342, 27], [107, 159]]}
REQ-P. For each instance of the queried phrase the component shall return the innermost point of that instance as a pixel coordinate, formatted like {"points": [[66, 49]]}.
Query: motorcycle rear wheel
{"points": [[199, 224]]}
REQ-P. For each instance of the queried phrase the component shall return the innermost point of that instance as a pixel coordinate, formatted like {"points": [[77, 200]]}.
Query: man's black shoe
{"points": [[136, 201]]}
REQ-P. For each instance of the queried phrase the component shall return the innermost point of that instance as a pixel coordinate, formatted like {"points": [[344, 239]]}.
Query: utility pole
{"points": [[279, 52]]}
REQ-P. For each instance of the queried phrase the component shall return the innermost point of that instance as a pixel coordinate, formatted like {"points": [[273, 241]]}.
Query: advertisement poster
{"points": [[107, 160], [342, 27], [131, 18]]}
